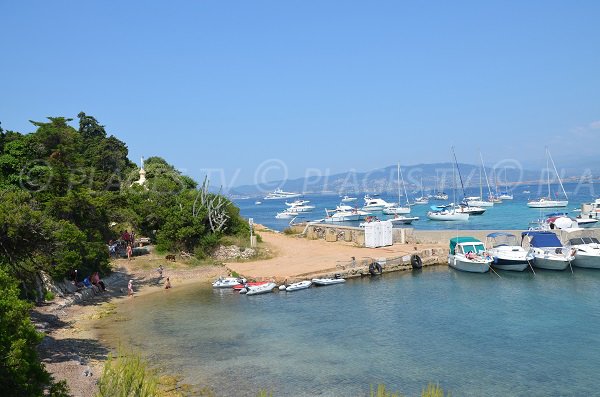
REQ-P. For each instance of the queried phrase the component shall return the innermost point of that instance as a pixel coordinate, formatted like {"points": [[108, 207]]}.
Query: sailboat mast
{"points": [[487, 181], [558, 176], [403, 186], [459, 175], [480, 186], [548, 169], [398, 182]]}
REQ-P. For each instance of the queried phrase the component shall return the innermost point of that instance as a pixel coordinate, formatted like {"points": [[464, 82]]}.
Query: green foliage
{"points": [[127, 375], [21, 372], [49, 296], [382, 392], [433, 390]]}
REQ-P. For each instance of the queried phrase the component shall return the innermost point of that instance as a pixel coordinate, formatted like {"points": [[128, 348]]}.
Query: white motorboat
{"points": [[468, 255], [507, 253], [299, 206], [549, 202], [348, 199], [478, 202], [586, 222], [447, 215], [422, 200], [344, 216], [279, 194], [286, 215], [548, 251], [396, 210], [228, 282], [505, 196], [328, 281], [587, 251], [260, 289], [403, 220], [298, 286], [258, 202], [591, 210], [375, 204]]}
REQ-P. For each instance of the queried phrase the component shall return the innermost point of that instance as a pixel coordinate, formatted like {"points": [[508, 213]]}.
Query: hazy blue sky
{"points": [[313, 85]]}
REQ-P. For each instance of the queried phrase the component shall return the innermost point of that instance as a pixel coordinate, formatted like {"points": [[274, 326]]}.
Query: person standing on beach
{"points": [[129, 251], [130, 288], [167, 283]]}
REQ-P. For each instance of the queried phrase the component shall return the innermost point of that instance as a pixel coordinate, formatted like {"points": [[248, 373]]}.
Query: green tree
{"points": [[21, 372]]}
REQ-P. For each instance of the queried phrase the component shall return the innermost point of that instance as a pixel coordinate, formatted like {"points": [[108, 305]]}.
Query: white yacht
{"points": [[279, 194], [399, 209], [507, 253], [373, 204], [447, 215], [587, 251], [299, 206], [548, 251], [345, 216], [348, 199]]}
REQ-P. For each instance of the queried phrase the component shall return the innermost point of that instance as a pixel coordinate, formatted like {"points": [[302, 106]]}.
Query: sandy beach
{"points": [[71, 349]]}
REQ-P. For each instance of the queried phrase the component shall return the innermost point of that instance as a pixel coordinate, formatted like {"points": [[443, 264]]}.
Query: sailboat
{"points": [[423, 199], [505, 195], [449, 213], [440, 195], [397, 210], [465, 207], [479, 201], [548, 202]]}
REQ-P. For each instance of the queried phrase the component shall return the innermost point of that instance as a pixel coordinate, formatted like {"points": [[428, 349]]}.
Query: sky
{"points": [[250, 91]]}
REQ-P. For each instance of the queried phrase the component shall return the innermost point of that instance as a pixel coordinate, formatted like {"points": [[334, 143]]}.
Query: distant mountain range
{"points": [[435, 177]]}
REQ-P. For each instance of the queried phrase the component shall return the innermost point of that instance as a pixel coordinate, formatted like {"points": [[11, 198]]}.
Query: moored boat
{"points": [[260, 289], [587, 249], [468, 255], [328, 281], [548, 251], [298, 286], [507, 254], [228, 282]]}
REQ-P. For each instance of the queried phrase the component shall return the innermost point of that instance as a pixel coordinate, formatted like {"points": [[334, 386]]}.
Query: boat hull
{"points": [[260, 289], [465, 265], [436, 216], [511, 265], [587, 261], [298, 286], [327, 281], [548, 204], [551, 263]]}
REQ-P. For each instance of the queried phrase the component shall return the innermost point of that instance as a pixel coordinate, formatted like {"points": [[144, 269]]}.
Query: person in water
{"points": [[167, 283]]}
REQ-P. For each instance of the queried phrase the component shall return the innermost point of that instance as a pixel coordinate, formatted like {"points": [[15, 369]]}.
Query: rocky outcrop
{"points": [[229, 252]]}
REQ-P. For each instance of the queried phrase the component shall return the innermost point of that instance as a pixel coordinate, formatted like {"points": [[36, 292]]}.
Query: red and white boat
{"points": [[249, 284]]}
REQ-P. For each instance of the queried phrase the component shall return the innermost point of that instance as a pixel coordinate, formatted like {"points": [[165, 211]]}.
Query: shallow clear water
{"points": [[509, 215], [475, 334]]}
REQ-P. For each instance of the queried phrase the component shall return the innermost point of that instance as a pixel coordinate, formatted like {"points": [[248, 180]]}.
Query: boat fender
{"points": [[375, 268], [416, 262]]}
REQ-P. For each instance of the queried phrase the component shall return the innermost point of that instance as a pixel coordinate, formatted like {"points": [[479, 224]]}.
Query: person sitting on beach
{"points": [[167, 283], [95, 279]]}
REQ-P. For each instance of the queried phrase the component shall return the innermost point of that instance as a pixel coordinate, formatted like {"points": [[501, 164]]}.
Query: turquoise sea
{"points": [[475, 334], [509, 215]]}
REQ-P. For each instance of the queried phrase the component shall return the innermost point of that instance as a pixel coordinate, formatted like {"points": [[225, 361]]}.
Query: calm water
{"points": [[474, 334], [510, 215]]}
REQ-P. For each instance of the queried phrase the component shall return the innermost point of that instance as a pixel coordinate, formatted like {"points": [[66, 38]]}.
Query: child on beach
{"points": [[130, 288], [167, 283], [129, 251]]}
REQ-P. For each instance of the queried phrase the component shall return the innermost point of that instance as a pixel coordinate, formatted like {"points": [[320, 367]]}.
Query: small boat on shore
{"points": [[228, 282], [468, 255], [260, 289], [328, 281], [249, 284], [298, 286]]}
